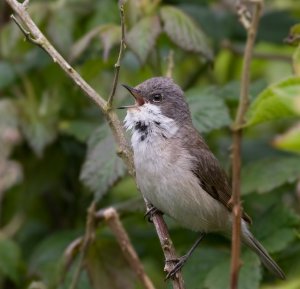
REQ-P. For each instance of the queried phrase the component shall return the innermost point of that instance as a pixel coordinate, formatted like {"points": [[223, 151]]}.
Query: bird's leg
{"points": [[182, 260], [150, 212]]}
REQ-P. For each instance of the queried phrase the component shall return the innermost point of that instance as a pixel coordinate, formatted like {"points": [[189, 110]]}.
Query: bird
{"points": [[177, 172]]}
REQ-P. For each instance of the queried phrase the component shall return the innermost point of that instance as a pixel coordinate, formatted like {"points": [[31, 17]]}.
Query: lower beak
{"points": [[139, 100]]}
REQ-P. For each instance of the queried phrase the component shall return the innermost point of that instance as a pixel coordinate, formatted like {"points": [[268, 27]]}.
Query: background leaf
{"points": [[267, 174], [141, 38], [102, 167], [184, 32], [290, 140], [10, 260], [250, 275], [208, 111], [277, 101]]}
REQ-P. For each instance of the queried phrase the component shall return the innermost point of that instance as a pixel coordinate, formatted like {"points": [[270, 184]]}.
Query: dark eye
{"points": [[157, 97]]}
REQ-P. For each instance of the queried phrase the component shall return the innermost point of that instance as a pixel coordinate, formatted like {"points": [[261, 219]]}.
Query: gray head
{"points": [[163, 93]]}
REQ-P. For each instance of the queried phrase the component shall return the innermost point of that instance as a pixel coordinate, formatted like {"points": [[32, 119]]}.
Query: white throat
{"points": [[148, 124]]}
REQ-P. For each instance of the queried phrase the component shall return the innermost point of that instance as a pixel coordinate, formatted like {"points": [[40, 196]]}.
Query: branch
{"points": [[118, 63], [111, 217], [236, 148], [167, 247], [123, 150]]}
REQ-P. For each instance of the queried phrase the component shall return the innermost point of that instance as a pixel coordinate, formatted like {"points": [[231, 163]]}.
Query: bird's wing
{"points": [[212, 177]]}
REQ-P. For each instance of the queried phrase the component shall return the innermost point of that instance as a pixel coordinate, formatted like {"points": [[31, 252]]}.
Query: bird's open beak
{"points": [[139, 100]]}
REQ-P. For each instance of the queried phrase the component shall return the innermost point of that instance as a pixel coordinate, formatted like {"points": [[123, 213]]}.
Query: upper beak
{"points": [[139, 100]]}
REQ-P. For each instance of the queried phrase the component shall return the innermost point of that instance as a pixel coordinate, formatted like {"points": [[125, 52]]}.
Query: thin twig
{"points": [[118, 63], [123, 150], [236, 148], [88, 238], [111, 217]]}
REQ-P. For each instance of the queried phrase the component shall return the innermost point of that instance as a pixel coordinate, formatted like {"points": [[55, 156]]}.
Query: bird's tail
{"points": [[264, 256]]}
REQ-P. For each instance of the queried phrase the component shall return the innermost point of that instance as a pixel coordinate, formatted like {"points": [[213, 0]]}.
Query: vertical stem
{"points": [[236, 148]]}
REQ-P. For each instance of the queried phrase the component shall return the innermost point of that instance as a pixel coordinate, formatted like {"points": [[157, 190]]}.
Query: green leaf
{"points": [[201, 263], [277, 101], [38, 118], [184, 32], [290, 140], [46, 260], [208, 110], [107, 267], [102, 167], [249, 278], [80, 129], [10, 260], [142, 37], [267, 174], [275, 232]]}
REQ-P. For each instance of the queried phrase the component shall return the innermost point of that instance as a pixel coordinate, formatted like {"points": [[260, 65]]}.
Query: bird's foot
{"points": [[179, 263], [150, 212]]}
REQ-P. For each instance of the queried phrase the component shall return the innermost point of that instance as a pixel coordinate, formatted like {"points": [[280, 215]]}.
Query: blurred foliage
{"points": [[56, 150]]}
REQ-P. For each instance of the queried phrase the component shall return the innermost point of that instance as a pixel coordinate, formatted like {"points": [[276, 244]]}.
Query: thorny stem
{"points": [[118, 63], [124, 150], [236, 148]]}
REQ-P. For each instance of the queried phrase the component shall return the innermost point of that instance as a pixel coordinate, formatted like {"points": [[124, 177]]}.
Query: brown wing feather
{"points": [[212, 177]]}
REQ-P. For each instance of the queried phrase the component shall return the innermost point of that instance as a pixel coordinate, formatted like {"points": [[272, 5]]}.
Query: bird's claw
{"points": [[150, 212], [178, 266]]}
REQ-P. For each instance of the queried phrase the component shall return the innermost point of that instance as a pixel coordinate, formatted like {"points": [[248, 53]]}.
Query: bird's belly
{"points": [[169, 184]]}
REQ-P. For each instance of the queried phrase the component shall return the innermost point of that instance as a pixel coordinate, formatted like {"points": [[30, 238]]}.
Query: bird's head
{"points": [[160, 95]]}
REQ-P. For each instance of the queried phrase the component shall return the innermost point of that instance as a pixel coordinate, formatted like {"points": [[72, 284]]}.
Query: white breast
{"points": [[164, 175]]}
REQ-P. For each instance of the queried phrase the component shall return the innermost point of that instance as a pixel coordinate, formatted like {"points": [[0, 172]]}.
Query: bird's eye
{"points": [[157, 97]]}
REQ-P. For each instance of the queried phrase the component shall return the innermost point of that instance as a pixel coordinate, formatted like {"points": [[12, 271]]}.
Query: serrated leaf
{"points": [[102, 167], [208, 111], [249, 278], [184, 32], [10, 259], [107, 267], [267, 174], [290, 140], [277, 101], [141, 38]]}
